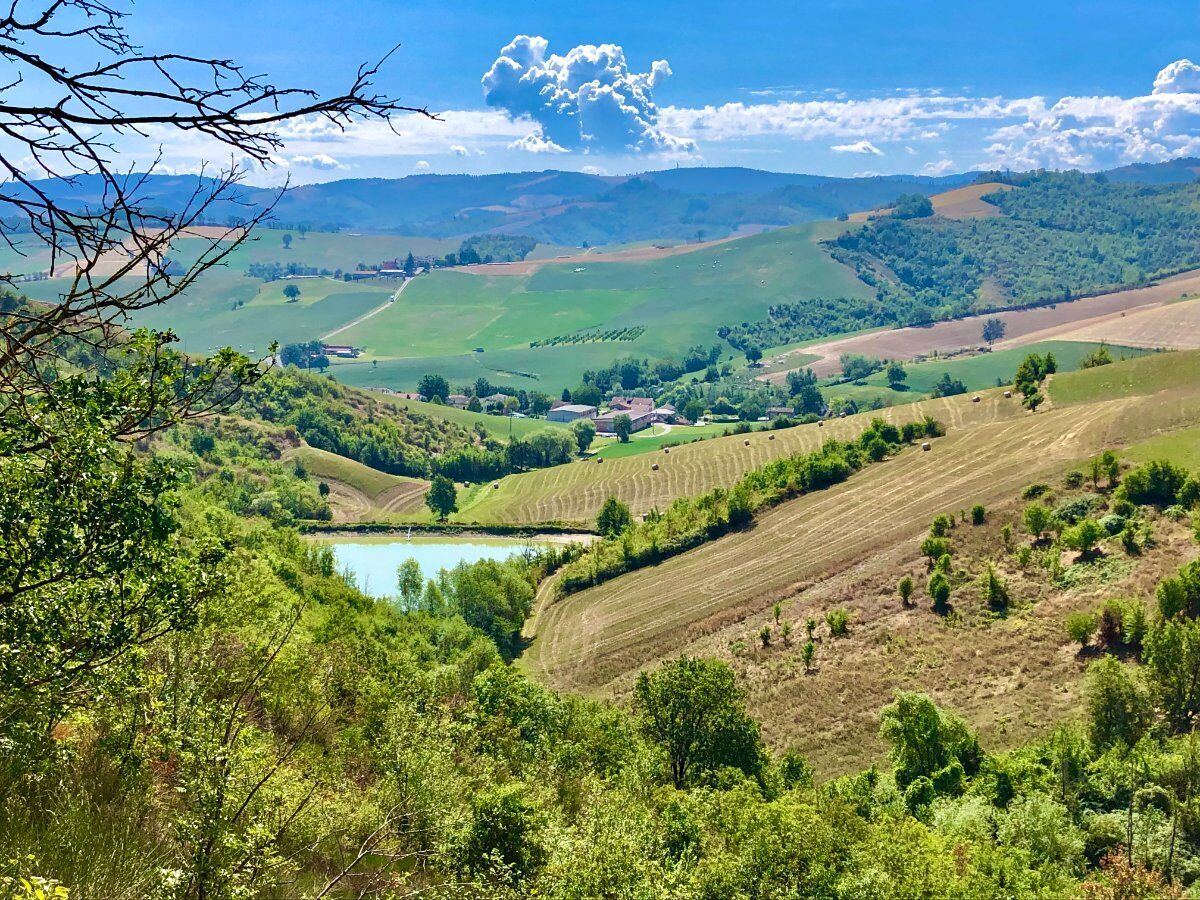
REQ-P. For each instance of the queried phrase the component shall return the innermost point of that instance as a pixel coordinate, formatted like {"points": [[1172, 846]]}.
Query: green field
{"points": [[1181, 448], [207, 316], [1148, 375], [680, 300], [501, 427], [610, 448], [976, 372]]}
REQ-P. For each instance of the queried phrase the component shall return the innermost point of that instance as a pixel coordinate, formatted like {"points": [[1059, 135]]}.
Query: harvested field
{"points": [[594, 640], [1175, 326], [358, 493], [575, 492], [1024, 326], [961, 203]]}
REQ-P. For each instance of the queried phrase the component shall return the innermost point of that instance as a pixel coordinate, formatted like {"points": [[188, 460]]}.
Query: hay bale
{"points": [[925, 445], [975, 399], [1008, 395], [599, 459], [666, 449], [495, 485], [746, 442], [654, 467], [770, 437]]}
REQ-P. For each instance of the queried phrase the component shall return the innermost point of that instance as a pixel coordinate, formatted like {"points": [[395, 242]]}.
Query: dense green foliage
{"points": [[1062, 235], [691, 521], [789, 323]]}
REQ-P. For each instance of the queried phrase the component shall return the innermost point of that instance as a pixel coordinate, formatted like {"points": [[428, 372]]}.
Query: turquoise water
{"points": [[374, 561]]}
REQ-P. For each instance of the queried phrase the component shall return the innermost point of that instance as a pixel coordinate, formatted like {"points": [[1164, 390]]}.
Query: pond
{"points": [[373, 560]]}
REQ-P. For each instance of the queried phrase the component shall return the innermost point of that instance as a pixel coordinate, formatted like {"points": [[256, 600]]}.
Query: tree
{"points": [[808, 652], [1156, 482], [926, 741], [939, 590], [993, 330], [1172, 661], [1119, 708], [410, 266], [473, 405], [693, 410], [622, 428], [1037, 519], [614, 517], [287, 241], [442, 498], [753, 354], [584, 432], [905, 589], [292, 292], [896, 375], [1083, 536], [1080, 627], [993, 589], [978, 514], [694, 709], [410, 582], [431, 386]]}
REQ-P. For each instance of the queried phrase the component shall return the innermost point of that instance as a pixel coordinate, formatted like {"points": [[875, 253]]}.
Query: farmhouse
{"points": [[342, 351], [569, 412], [776, 411], [637, 421], [631, 404], [458, 401]]}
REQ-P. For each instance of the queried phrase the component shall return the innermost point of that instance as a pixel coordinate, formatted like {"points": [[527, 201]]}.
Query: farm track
{"points": [[589, 641], [380, 308]]}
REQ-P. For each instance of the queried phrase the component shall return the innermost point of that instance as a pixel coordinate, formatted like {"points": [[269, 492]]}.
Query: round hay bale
{"points": [[746, 442], [770, 437], [599, 459], [975, 399], [654, 467], [1008, 395], [820, 424], [925, 445], [666, 449], [495, 485]]}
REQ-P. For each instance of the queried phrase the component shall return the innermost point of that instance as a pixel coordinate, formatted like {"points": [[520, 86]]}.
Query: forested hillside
{"points": [[1062, 235]]}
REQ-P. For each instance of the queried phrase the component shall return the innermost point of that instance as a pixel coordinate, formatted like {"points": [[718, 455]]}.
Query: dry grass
{"points": [[846, 547], [635, 254], [961, 203], [1095, 316], [575, 492]]}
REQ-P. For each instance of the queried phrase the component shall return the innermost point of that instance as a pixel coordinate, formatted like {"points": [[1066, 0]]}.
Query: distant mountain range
{"points": [[573, 208]]}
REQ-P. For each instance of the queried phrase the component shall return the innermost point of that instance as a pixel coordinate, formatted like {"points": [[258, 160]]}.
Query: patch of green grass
{"points": [[321, 464], [681, 434], [1134, 378], [497, 426], [977, 373], [1180, 447]]}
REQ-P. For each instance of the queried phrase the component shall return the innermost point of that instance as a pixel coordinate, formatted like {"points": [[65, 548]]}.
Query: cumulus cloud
{"points": [[459, 150], [421, 165], [938, 167], [1100, 132], [862, 147], [321, 161], [587, 99]]}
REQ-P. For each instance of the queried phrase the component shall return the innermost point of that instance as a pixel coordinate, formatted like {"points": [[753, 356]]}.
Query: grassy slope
{"points": [[680, 300], [204, 316], [499, 427], [848, 545], [976, 372], [359, 493]]}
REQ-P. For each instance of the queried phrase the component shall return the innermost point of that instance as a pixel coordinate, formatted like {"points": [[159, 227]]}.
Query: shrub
{"points": [[905, 589], [1113, 524], [1080, 627], [1071, 511], [939, 590], [1083, 537], [941, 526], [978, 514], [1156, 483], [764, 635], [1073, 480], [838, 621], [807, 652], [1034, 491], [993, 590], [935, 548]]}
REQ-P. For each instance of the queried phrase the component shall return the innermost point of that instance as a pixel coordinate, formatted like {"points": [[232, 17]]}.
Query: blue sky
{"points": [[841, 87]]}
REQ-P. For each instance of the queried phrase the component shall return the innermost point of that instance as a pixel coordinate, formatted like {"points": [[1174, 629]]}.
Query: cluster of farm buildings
{"points": [[641, 411]]}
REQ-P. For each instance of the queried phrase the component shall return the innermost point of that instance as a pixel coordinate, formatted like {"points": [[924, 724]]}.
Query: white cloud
{"points": [[1180, 77], [535, 143], [421, 165], [861, 147], [321, 161], [593, 170], [587, 99], [459, 150], [938, 167]]}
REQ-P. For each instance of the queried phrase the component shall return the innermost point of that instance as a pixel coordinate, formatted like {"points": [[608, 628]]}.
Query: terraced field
{"points": [[592, 640]]}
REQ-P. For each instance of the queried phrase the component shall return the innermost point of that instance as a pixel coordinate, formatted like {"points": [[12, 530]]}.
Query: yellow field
{"points": [[1175, 326], [358, 493], [961, 203]]}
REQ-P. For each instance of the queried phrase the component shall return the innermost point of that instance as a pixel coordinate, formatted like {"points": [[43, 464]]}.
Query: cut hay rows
{"points": [[575, 492], [586, 641], [358, 493]]}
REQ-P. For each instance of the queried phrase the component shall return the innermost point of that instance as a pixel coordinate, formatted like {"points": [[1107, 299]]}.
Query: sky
{"points": [[846, 87]]}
